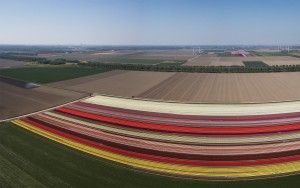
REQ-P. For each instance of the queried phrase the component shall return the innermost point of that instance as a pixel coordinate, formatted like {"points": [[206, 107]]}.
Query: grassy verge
{"points": [[29, 160], [48, 74]]}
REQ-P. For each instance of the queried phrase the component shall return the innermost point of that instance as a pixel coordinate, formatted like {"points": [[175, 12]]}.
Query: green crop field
{"points": [[255, 64], [49, 74], [29, 160]]}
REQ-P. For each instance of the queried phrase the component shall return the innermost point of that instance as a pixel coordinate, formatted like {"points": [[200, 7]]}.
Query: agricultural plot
{"points": [[126, 60], [26, 162], [281, 60], [233, 61], [255, 64], [187, 140], [190, 87], [49, 74], [15, 101], [202, 60], [85, 56], [4, 64], [118, 83], [211, 60], [227, 88], [124, 56], [171, 55]]}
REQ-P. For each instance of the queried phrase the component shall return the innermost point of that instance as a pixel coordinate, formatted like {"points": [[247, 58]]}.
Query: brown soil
{"points": [[227, 88], [16, 101]]}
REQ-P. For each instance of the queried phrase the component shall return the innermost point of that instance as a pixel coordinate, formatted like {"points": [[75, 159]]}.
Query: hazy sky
{"points": [[154, 22]]}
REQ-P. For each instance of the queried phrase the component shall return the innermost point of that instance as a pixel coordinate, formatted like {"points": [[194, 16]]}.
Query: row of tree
{"points": [[160, 67], [199, 69], [58, 61]]}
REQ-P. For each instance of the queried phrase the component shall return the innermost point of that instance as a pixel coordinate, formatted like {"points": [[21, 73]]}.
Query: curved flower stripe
{"points": [[173, 147], [201, 140], [197, 109], [183, 129], [188, 139], [223, 172]]}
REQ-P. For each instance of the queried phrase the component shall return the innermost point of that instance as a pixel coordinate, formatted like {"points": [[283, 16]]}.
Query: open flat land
{"points": [[281, 60], [211, 60], [143, 143], [85, 56], [185, 56], [119, 83], [46, 74], [26, 162], [191, 87], [178, 55], [5, 63], [227, 88], [15, 101]]}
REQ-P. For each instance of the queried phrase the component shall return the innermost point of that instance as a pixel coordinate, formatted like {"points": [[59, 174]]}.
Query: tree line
{"points": [[40, 60], [196, 69], [160, 67]]}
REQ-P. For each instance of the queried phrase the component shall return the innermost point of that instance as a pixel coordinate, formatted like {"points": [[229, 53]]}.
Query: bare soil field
{"points": [[203, 60], [16, 101], [175, 55], [84, 80], [280, 60], [210, 60], [118, 83], [233, 61], [191, 87], [227, 88], [5, 63]]}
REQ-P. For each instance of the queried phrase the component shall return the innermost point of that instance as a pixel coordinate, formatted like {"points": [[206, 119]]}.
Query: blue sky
{"points": [[149, 22]]}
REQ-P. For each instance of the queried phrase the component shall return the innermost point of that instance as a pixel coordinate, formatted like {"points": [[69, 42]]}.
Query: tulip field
{"points": [[200, 141]]}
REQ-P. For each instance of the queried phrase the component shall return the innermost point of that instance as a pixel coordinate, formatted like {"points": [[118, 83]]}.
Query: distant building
{"points": [[242, 53]]}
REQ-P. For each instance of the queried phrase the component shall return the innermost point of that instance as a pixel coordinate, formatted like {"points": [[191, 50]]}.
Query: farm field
{"points": [[46, 74], [125, 56], [15, 101], [255, 64], [119, 83], [51, 166], [146, 143], [86, 56], [203, 60], [175, 55], [211, 60], [117, 134], [125, 60], [281, 60], [4, 63], [232, 61], [227, 88], [190, 87]]}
